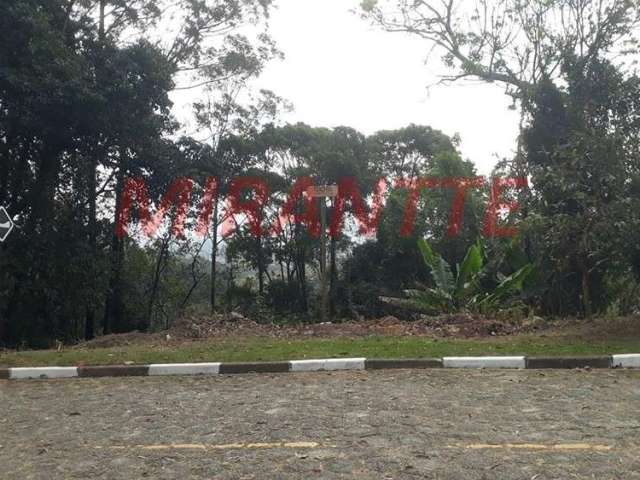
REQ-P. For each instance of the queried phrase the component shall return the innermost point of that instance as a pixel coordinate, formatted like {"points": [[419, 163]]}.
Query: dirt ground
{"points": [[437, 424], [192, 328]]}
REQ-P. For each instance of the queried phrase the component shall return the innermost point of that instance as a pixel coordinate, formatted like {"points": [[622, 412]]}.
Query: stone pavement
{"points": [[402, 424]]}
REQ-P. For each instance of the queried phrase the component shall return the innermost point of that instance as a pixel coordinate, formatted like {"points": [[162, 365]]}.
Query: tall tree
{"points": [[548, 54], [513, 42]]}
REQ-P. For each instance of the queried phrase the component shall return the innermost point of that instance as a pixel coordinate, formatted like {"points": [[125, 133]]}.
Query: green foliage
{"points": [[462, 291], [581, 145], [368, 5], [282, 296], [507, 288], [82, 109], [579, 100], [85, 98], [252, 349], [469, 270]]}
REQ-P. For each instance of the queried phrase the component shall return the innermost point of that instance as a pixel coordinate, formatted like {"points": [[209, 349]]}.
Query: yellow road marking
{"points": [[263, 445], [560, 447], [229, 446], [302, 445], [535, 446]]}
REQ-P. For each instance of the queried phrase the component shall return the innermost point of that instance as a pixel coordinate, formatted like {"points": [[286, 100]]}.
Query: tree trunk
{"points": [[90, 314], [299, 266], [230, 281], [586, 296], [113, 312], [155, 282], [350, 305], [333, 278], [89, 321], [214, 255], [6, 166], [45, 189], [197, 278], [260, 265], [302, 273]]}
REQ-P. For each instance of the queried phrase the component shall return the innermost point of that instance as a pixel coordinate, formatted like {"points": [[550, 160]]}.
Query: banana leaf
{"points": [[468, 271], [514, 283], [440, 270]]}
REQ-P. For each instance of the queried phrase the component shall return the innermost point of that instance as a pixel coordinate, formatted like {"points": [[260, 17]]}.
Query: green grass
{"points": [[264, 349]]}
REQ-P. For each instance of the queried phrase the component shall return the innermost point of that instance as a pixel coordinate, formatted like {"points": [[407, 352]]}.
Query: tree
{"points": [[48, 111], [556, 59], [513, 42], [209, 52], [83, 108], [318, 156], [414, 152], [583, 155], [231, 121]]}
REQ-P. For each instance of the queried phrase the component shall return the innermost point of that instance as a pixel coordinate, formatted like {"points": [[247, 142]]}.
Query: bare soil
{"points": [[458, 326]]}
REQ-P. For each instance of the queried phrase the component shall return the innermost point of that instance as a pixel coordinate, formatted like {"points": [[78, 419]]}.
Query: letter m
{"points": [[178, 195]]}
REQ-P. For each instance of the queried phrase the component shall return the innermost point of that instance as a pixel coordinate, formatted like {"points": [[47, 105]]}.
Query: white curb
{"points": [[484, 362], [185, 369], [43, 372], [328, 364], [626, 361]]}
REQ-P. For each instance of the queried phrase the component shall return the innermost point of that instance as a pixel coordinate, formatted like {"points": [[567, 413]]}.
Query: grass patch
{"points": [[268, 349]]}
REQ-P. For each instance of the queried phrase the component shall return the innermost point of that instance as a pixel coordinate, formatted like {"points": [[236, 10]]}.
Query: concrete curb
{"points": [[625, 361], [569, 362], [327, 365], [184, 369], [484, 362], [322, 365], [259, 367], [390, 364], [42, 372], [114, 371]]}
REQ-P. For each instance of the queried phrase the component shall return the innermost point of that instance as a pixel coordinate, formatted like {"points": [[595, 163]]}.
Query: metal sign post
{"points": [[321, 193]]}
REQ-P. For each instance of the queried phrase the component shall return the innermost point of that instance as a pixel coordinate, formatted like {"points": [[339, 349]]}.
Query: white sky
{"points": [[339, 70]]}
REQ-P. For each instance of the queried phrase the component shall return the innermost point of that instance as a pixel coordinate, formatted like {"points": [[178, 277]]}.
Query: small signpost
{"points": [[321, 193], [6, 224]]}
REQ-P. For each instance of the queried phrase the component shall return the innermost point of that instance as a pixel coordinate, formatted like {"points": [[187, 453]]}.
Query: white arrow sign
{"points": [[6, 224]]}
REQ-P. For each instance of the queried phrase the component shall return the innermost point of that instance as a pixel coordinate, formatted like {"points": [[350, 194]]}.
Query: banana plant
{"points": [[462, 291]]}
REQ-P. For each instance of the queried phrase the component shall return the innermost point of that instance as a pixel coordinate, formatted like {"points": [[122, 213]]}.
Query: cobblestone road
{"points": [[440, 424]]}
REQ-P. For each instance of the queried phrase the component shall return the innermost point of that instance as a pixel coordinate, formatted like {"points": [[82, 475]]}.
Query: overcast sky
{"points": [[339, 70]]}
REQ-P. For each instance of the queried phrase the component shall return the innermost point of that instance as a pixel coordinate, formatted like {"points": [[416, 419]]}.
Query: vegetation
{"points": [[464, 291], [85, 93], [578, 145], [261, 349]]}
